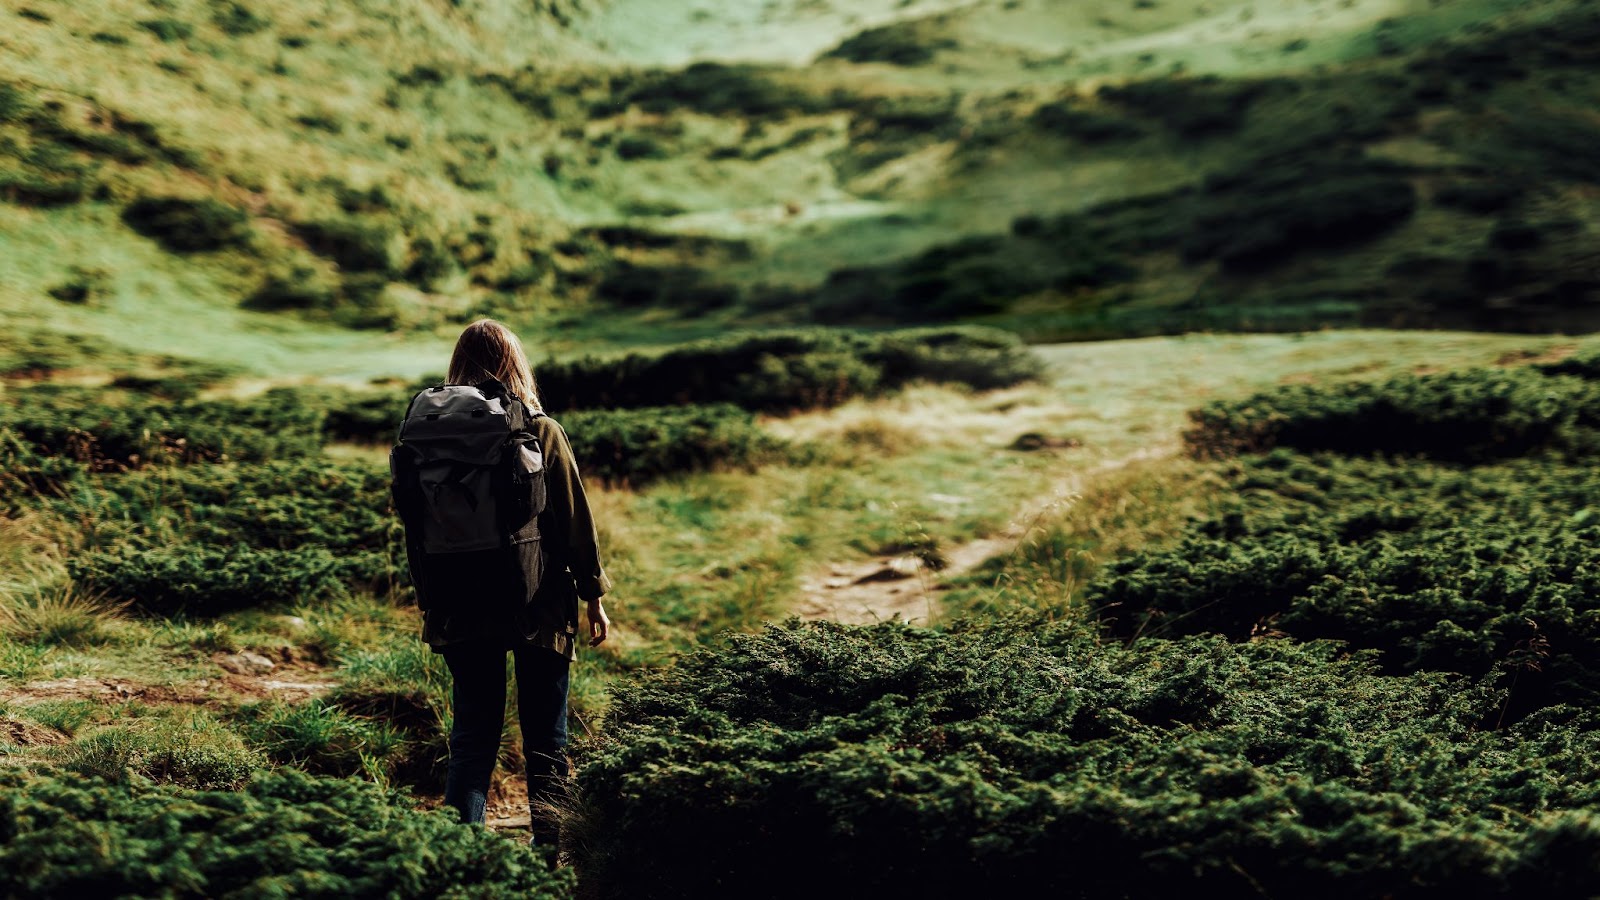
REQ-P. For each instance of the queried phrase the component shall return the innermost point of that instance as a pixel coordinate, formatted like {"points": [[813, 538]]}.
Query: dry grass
{"points": [[60, 615]]}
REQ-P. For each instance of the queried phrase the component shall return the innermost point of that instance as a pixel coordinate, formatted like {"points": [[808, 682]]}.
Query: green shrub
{"points": [[197, 752], [682, 288], [340, 508], [1442, 568], [295, 287], [640, 445], [993, 758], [718, 89], [1192, 107], [202, 579], [367, 417], [168, 30], [640, 146], [1263, 213], [1466, 416], [357, 245], [83, 286], [287, 834], [787, 371], [60, 187], [96, 429], [15, 104], [189, 226], [973, 276], [1084, 125], [236, 19], [26, 474], [899, 44]]}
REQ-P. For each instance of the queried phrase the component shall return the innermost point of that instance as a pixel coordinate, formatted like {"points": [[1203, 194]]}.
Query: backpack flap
{"points": [[456, 439]]}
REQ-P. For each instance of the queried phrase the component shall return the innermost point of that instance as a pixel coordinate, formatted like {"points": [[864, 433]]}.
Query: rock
{"points": [[893, 570], [1033, 440], [246, 663]]}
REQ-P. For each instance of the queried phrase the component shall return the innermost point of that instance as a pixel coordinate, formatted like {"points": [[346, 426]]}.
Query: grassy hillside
{"points": [[623, 171]]}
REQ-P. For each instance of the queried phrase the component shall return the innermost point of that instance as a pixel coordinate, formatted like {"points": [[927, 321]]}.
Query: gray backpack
{"points": [[467, 471]]}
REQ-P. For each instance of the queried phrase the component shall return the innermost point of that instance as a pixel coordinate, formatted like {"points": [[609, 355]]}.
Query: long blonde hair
{"points": [[488, 351]]}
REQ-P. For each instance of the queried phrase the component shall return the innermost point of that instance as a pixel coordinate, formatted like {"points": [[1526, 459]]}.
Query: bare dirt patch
{"points": [[290, 683], [22, 733], [903, 588]]}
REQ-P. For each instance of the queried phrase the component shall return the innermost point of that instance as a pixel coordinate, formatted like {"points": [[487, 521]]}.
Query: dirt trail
{"points": [[296, 682], [902, 588]]}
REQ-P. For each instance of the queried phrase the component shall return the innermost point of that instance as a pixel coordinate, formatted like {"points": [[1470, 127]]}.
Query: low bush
{"points": [[1084, 125], [1192, 107], [236, 19], [357, 245], [641, 445], [168, 30], [26, 474], [185, 225], [787, 371], [988, 758], [1475, 570], [111, 433], [286, 834], [682, 288], [718, 89], [899, 44], [977, 275], [206, 579], [1263, 213], [282, 506], [1467, 416]]}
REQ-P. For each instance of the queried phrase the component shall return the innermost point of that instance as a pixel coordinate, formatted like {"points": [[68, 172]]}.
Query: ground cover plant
{"points": [[696, 553], [286, 833], [986, 755], [783, 372], [1473, 559], [780, 372]]}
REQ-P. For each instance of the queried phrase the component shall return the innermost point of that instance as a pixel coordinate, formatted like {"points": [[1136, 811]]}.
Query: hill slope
{"points": [[619, 171]]}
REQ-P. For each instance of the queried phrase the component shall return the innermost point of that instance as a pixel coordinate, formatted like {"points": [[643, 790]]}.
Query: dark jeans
{"points": [[478, 699]]}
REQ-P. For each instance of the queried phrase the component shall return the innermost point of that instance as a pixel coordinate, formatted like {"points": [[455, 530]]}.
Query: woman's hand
{"points": [[599, 623]]}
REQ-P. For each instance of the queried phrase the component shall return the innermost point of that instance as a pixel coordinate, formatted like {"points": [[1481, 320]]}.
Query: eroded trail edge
{"points": [[903, 588]]}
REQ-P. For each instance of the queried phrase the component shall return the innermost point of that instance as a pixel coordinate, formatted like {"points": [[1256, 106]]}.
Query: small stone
{"points": [[246, 663]]}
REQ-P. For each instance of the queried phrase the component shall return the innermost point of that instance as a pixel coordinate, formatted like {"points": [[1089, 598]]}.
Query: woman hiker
{"points": [[506, 580]]}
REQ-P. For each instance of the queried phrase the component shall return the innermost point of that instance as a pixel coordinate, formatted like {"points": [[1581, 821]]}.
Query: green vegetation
{"points": [[195, 752], [1346, 650], [958, 738], [929, 168], [982, 755], [633, 447], [783, 372], [285, 833], [1470, 416]]}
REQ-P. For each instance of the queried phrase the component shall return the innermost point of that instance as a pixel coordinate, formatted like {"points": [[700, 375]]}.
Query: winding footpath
{"points": [[903, 588]]}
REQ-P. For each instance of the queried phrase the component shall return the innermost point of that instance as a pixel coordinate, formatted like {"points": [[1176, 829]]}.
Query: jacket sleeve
{"points": [[568, 531]]}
